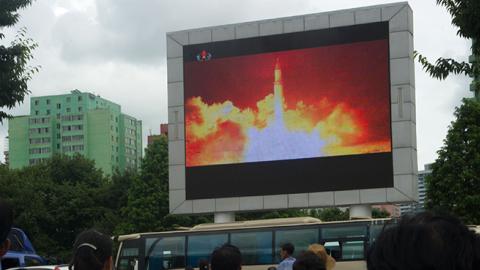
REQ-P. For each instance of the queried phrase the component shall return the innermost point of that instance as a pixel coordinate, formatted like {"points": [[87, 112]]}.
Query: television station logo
{"points": [[203, 56]]}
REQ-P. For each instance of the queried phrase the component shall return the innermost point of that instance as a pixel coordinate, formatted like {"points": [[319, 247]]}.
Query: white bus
{"points": [[259, 242]]}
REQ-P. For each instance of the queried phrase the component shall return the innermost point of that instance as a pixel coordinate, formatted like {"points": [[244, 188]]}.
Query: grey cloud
{"points": [[134, 31]]}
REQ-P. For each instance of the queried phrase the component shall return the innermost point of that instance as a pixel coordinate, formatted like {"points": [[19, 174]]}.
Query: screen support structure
{"points": [[360, 211], [224, 217]]}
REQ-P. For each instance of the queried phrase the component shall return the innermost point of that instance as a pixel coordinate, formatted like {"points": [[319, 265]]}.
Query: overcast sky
{"points": [[116, 48]]}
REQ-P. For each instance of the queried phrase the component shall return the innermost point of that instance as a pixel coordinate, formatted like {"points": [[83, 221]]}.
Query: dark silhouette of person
{"points": [[6, 221], [426, 241], [308, 260], [226, 257]]}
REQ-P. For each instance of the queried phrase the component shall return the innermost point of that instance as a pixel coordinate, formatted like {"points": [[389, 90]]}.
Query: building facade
{"points": [[79, 122], [163, 132], [420, 205]]}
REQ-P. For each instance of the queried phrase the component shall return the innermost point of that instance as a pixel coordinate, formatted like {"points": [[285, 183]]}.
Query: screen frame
{"points": [[399, 18]]}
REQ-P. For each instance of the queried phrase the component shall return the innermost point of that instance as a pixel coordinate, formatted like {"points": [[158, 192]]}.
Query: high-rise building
{"points": [[79, 122], [420, 205]]}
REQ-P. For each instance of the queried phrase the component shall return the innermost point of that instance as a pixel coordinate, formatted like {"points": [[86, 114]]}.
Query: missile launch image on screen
{"points": [[295, 104]]}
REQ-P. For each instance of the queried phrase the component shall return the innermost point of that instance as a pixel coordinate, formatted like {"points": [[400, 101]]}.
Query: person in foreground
{"points": [[321, 252], [226, 257], [6, 221], [286, 252], [426, 241], [92, 251], [308, 260]]}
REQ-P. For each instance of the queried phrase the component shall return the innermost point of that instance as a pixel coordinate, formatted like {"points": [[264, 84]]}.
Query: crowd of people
{"points": [[425, 241]]}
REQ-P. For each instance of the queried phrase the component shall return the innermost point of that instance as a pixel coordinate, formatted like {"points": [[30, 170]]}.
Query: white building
{"points": [[420, 206]]}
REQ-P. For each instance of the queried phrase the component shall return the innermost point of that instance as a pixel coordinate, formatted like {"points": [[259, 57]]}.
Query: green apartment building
{"points": [[79, 122]]}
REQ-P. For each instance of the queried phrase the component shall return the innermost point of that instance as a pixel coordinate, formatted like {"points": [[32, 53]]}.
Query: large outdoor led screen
{"points": [[290, 113]]}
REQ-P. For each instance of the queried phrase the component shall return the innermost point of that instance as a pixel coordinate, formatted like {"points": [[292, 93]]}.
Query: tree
{"points": [[454, 183], [380, 213], [147, 202], [14, 69], [466, 16], [54, 201]]}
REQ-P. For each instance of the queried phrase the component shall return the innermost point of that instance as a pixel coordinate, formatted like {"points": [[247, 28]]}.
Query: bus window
{"points": [[165, 253], [201, 246], [300, 239], [333, 249], [353, 250], [256, 247], [344, 232]]}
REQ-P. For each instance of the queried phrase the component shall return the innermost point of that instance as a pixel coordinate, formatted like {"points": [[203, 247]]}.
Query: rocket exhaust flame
{"points": [[272, 128]]}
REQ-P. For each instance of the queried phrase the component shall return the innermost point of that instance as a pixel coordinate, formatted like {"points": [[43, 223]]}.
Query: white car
{"points": [[42, 267]]}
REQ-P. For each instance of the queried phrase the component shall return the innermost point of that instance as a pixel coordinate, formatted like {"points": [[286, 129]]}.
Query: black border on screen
{"points": [[307, 175]]}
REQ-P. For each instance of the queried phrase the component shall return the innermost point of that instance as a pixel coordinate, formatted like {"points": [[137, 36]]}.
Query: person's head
{"points": [[308, 261], [426, 241], [321, 252], [203, 264], [226, 257], [286, 250], [6, 221], [92, 251]]}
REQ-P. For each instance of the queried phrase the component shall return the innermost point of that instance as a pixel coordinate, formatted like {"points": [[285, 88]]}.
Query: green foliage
{"points": [[56, 200], [444, 67], [331, 214], [380, 213], [14, 69], [455, 180], [466, 16], [147, 204]]}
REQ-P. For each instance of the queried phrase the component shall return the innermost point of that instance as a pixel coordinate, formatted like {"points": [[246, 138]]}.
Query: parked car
{"points": [[21, 252]]}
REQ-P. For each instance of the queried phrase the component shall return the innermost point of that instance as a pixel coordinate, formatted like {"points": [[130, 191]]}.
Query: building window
{"points": [[36, 102], [68, 99], [58, 126], [48, 101], [77, 148], [116, 119], [79, 98], [59, 106], [68, 109], [36, 112], [80, 109], [48, 112], [58, 135], [58, 146], [58, 116]]}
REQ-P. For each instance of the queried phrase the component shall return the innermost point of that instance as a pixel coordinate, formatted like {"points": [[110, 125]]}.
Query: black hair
{"points": [[288, 247], [226, 257], [6, 220], [426, 241], [91, 251], [203, 264], [309, 261]]}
